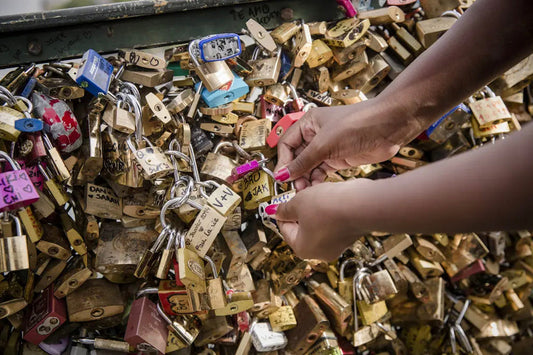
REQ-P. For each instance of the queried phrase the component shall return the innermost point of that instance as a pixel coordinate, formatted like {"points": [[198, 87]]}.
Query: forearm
{"points": [[486, 189], [488, 39]]}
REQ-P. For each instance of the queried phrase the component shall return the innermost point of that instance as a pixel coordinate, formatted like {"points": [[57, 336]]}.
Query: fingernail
{"points": [[271, 209], [282, 175]]}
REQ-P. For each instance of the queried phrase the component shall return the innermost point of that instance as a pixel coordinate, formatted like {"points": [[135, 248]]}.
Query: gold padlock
{"points": [[97, 299]]}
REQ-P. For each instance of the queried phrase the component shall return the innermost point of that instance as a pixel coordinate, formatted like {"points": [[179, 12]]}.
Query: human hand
{"points": [[328, 139], [318, 222]]}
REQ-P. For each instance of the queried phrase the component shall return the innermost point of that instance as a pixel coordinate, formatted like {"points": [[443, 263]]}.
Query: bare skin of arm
{"points": [[489, 38], [482, 190], [487, 189]]}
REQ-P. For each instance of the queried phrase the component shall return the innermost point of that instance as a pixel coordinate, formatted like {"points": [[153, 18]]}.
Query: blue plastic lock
{"points": [[95, 74], [219, 47], [29, 125], [216, 98]]}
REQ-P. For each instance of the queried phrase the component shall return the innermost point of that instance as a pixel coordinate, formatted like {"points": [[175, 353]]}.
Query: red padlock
{"points": [[145, 325], [281, 127], [475, 268], [44, 316], [59, 120], [177, 300]]}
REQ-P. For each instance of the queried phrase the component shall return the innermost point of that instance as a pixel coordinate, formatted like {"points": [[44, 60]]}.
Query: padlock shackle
{"points": [[194, 51], [146, 291], [356, 285], [14, 165], [213, 266], [18, 225], [7, 96]]}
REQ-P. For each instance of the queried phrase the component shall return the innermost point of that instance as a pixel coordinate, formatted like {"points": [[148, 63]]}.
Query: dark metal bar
{"points": [[106, 28]]}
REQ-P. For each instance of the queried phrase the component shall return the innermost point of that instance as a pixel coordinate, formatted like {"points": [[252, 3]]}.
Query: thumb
{"points": [[303, 163], [286, 212]]}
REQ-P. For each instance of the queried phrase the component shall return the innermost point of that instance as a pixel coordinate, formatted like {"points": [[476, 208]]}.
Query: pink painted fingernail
{"points": [[271, 210], [282, 175]]}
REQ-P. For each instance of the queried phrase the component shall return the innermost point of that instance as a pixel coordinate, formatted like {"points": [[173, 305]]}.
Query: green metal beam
{"points": [[69, 33]]}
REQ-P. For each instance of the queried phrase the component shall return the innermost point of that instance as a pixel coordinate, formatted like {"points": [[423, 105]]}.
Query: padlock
{"points": [[102, 202], [383, 16], [282, 319], [146, 326], [17, 189], [14, 249], [346, 32], [191, 269], [73, 277], [265, 72], [490, 110], [53, 269], [8, 117], [224, 95], [311, 321], [60, 88], [62, 172], [120, 249], [344, 285], [97, 299], [371, 76], [320, 54], [253, 135], [338, 310], [264, 338], [302, 46], [428, 31], [215, 290], [214, 75], [45, 314], [217, 166], [95, 81], [119, 163], [370, 312], [59, 120], [178, 299], [147, 77], [407, 39], [33, 227], [119, 116], [182, 100], [203, 231], [142, 59], [254, 238], [154, 162], [224, 200], [284, 32], [258, 188], [260, 35], [74, 237], [55, 191]]}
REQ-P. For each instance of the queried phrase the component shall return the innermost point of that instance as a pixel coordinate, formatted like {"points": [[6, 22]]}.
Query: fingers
{"points": [[289, 142], [286, 212], [308, 159], [290, 231]]}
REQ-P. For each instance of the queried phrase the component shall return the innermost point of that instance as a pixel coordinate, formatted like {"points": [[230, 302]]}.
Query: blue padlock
{"points": [[95, 74], [449, 124], [30, 85], [217, 98], [29, 125], [286, 64]]}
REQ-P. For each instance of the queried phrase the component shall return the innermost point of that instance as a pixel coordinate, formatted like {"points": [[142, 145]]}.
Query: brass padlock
{"points": [[119, 162], [14, 249], [102, 202], [97, 299], [265, 71], [153, 161], [254, 134], [258, 188], [320, 54], [217, 166], [213, 75], [74, 276], [53, 243], [120, 249]]}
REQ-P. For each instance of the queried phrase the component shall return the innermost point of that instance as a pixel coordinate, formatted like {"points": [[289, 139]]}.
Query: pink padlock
{"points": [[16, 187], [270, 111], [240, 171], [59, 120], [34, 173], [348, 8]]}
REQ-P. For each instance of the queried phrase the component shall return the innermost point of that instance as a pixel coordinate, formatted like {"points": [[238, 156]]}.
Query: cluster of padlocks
{"points": [[134, 188]]}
